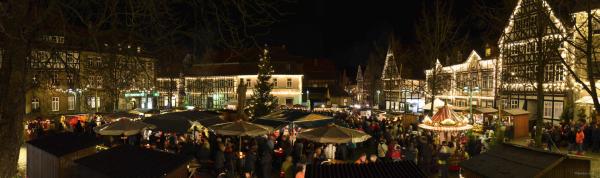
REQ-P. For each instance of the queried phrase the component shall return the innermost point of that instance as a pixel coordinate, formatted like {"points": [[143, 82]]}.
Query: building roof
{"points": [[249, 68], [320, 69], [515, 112], [130, 161], [64, 143], [507, 160], [337, 91], [378, 170], [486, 110]]}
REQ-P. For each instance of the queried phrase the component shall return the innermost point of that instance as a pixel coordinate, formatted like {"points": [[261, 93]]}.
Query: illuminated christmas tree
{"points": [[262, 101]]}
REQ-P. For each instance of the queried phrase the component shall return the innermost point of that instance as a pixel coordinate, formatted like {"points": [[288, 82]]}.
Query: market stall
{"points": [[53, 156], [516, 122], [482, 118]]}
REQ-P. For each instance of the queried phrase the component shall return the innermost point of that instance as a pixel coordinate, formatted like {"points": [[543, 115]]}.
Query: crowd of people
{"points": [[280, 154], [577, 136]]}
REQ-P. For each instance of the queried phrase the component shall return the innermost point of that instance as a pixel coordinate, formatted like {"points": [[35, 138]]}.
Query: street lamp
{"points": [[308, 99], [470, 91], [378, 98]]}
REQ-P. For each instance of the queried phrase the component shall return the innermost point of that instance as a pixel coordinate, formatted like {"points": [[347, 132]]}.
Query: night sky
{"points": [[345, 31]]}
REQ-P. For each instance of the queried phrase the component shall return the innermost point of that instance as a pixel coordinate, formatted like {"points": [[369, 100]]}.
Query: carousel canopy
{"points": [[437, 103], [300, 118], [446, 120]]}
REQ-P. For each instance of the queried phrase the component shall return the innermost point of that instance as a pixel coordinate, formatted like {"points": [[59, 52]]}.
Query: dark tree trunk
{"points": [[12, 108]]}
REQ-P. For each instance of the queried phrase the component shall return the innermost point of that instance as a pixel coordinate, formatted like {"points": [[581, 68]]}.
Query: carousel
{"points": [[446, 122]]}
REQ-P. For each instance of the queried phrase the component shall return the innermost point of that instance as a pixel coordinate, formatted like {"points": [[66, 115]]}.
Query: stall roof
{"points": [[516, 112], [508, 160], [64, 143], [379, 170], [486, 110], [131, 161], [302, 118], [181, 122]]}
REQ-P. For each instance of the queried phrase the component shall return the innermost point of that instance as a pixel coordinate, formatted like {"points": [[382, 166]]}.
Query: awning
{"points": [[458, 108], [486, 110], [299, 118], [515, 112]]}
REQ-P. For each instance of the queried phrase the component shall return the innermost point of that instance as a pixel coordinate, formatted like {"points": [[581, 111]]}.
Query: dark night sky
{"points": [[344, 31]]}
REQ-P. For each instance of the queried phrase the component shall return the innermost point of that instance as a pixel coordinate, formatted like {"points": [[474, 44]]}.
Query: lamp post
{"points": [[378, 92], [470, 91], [308, 99]]}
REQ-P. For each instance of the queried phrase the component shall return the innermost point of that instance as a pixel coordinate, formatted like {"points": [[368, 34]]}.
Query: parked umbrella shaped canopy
{"points": [[118, 115], [240, 128], [122, 127], [298, 118], [182, 122], [334, 134]]}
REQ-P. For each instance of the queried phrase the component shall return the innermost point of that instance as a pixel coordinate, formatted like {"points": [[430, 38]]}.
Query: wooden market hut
{"points": [[132, 161], [371, 170], [52, 156], [515, 161], [520, 122]]}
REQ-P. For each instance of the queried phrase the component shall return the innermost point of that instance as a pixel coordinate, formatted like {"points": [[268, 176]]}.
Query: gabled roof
{"points": [[510, 25], [64, 143], [359, 74], [390, 67]]}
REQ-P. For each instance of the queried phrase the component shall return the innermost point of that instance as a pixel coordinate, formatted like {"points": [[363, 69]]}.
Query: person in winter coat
{"points": [[266, 164], [382, 149], [250, 163], [287, 170], [579, 140], [220, 159]]}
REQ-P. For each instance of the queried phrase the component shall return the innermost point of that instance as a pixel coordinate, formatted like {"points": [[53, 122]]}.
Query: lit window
{"points": [[55, 104], [547, 109], [558, 109], [71, 101], [514, 104], [35, 104], [248, 81], [289, 83]]}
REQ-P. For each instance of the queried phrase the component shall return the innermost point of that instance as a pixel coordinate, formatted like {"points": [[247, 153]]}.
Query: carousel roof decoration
{"points": [[446, 120]]}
